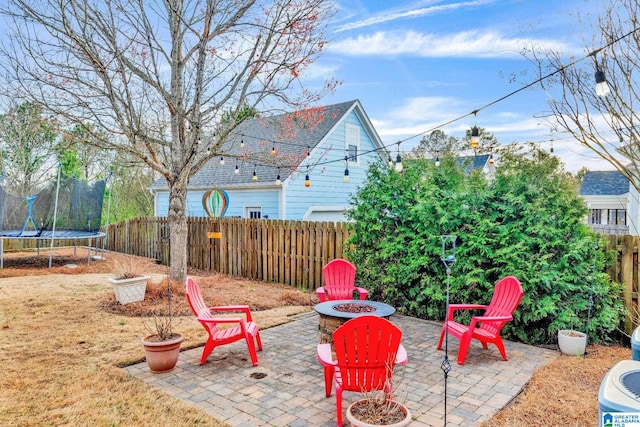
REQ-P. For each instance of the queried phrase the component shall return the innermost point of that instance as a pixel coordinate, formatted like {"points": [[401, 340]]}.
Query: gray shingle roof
{"points": [[292, 136], [604, 183], [471, 163]]}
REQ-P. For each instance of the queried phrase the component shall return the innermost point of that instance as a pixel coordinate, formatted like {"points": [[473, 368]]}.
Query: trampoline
{"points": [[66, 209]]}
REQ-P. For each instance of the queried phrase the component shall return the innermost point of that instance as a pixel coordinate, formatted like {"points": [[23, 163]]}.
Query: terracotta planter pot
{"points": [[572, 342], [162, 356], [355, 422]]}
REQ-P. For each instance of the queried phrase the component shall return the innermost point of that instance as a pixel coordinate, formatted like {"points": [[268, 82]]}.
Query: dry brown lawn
{"points": [[63, 339]]}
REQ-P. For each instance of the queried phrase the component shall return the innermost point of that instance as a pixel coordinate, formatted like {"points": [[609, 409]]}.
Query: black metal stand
{"points": [[448, 259]]}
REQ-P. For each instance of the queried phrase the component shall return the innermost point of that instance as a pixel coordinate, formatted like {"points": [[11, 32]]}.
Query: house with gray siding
{"points": [[320, 144]]}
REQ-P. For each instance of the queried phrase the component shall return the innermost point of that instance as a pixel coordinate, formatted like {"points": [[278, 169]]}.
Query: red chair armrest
{"points": [[401, 356], [222, 320], [492, 318], [324, 355], [362, 292], [454, 307]]}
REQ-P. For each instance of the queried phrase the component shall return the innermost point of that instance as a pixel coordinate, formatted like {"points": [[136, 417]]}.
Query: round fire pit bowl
{"points": [[335, 313]]}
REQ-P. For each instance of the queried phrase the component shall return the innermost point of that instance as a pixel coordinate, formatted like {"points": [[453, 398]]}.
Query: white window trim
{"points": [[249, 209], [348, 129]]}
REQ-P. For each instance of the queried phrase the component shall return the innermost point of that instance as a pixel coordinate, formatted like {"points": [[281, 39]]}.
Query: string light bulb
{"points": [[437, 161], [491, 161], [398, 166], [273, 150], [221, 160], [307, 182], [242, 143], [237, 170], [475, 137], [551, 148], [345, 178], [390, 162], [255, 176], [278, 181], [602, 87]]}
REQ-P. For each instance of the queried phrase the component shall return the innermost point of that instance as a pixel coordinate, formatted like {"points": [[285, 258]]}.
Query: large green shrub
{"points": [[527, 222]]}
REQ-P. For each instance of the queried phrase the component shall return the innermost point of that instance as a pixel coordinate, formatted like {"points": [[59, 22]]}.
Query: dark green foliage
{"points": [[527, 222]]}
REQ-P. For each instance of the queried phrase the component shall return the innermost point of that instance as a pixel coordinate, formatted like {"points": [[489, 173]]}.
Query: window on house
{"points": [[608, 216], [253, 212], [618, 216], [352, 144]]}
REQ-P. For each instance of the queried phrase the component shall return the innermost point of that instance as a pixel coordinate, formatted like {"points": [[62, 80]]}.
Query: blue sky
{"points": [[417, 64]]}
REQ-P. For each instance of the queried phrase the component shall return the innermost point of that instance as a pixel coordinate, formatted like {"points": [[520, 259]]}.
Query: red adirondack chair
{"points": [[245, 329], [339, 282], [367, 349], [486, 328]]}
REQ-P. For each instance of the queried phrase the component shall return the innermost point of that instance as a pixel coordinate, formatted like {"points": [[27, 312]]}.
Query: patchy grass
{"points": [[63, 338]]}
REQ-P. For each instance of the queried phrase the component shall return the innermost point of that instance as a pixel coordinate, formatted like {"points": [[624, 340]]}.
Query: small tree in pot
{"points": [[162, 346]]}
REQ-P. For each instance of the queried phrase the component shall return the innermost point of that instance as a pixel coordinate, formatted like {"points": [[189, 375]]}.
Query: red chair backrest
{"points": [[339, 279], [366, 349], [506, 297], [196, 302]]}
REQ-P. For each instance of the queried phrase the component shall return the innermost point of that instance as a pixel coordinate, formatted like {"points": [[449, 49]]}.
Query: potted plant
{"points": [[379, 408], [572, 342], [129, 283], [162, 346]]}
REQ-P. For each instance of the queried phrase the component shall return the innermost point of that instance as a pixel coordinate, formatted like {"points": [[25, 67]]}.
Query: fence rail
{"points": [[293, 252], [289, 252]]}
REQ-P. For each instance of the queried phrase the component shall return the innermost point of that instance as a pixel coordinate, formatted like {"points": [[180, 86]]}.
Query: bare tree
{"points": [[606, 125], [163, 76], [27, 143]]}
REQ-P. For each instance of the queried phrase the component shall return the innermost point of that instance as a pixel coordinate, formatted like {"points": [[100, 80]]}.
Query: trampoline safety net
{"points": [[79, 210]]}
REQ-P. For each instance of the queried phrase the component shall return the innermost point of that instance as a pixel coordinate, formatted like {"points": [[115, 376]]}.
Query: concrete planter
{"points": [[572, 342], [129, 290]]}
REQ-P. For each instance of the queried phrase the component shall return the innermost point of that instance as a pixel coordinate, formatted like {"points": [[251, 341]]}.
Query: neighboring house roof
{"points": [[472, 163], [604, 183], [293, 135]]}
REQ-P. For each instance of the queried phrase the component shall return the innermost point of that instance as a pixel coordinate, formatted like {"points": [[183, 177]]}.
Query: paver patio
{"points": [[287, 387]]}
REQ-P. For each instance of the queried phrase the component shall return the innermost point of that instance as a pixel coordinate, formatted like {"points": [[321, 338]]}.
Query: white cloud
{"points": [[388, 16], [467, 44]]}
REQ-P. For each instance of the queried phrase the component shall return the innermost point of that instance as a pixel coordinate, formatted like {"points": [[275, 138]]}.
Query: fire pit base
{"points": [[333, 314]]}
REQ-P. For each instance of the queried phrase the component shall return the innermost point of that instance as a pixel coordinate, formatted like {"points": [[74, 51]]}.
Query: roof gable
{"points": [[604, 183], [291, 136]]}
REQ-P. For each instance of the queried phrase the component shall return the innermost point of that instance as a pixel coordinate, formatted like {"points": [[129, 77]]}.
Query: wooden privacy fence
{"points": [[625, 270], [293, 252], [289, 252]]}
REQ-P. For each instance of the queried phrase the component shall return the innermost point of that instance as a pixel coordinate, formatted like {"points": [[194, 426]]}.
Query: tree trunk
{"points": [[178, 229]]}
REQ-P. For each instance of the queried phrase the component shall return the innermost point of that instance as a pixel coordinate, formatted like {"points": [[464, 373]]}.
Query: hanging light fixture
{"points": [[345, 178], [273, 150], [398, 166], [491, 161], [390, 162], [551, 148], [437, 159], [474, 141], [237, 170], [242, 143], [308, 151], [602, 88], [221, 160], [255, 175], [307, 182], [278, 181]]}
